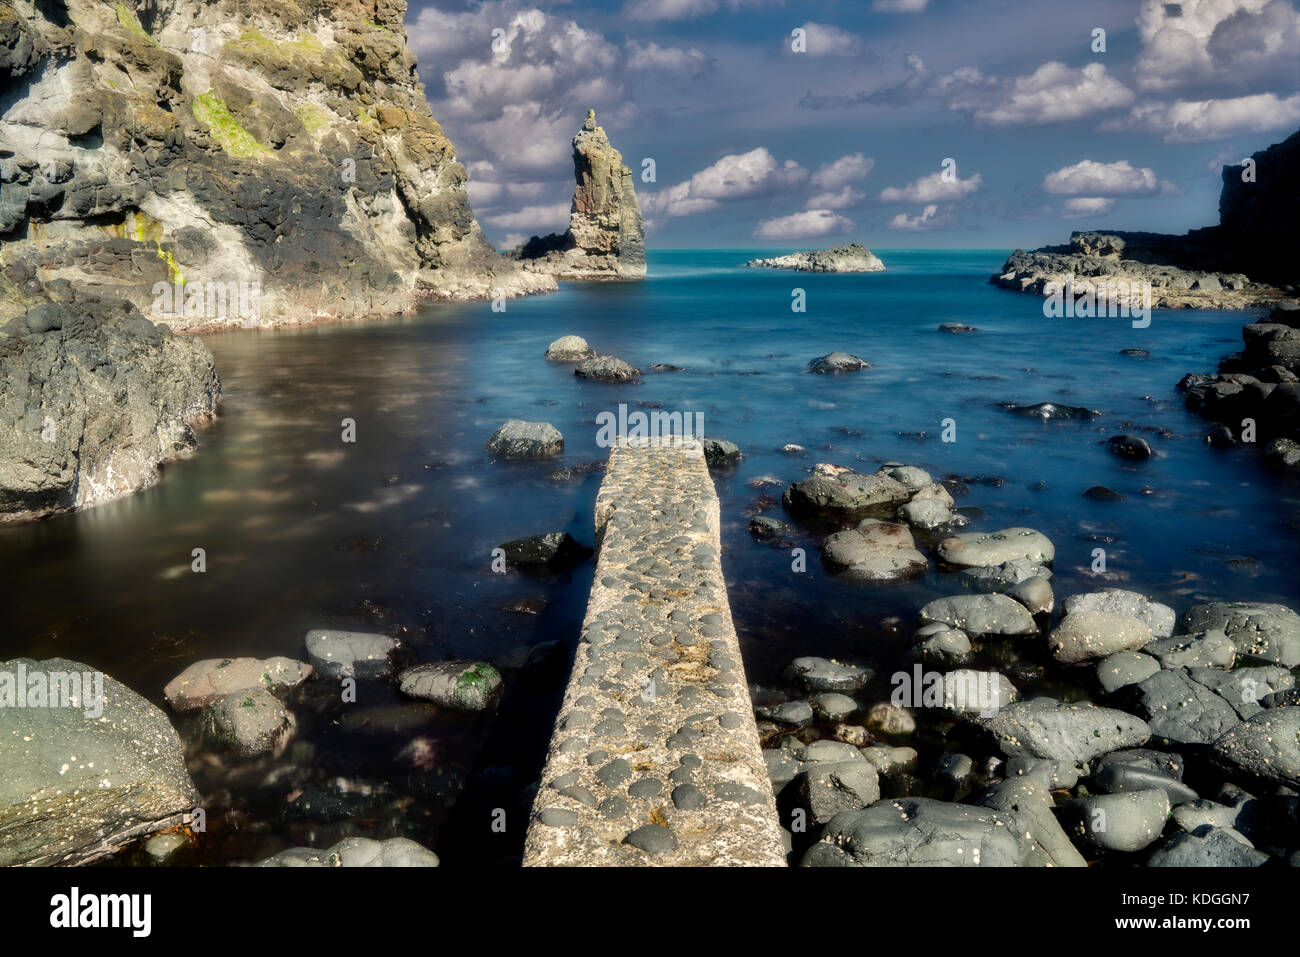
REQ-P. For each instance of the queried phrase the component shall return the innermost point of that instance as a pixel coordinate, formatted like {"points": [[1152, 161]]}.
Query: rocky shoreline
{"points": [[1241, 263]]}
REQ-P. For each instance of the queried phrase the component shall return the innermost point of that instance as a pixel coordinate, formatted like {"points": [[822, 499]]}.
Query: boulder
{"points": [[520, 440], [357, 852], [350, 654], [606, 369], [1266, 746], [250, 723], [1126, 822], [555, 550], [1117, 601], [78, 785], [836, 362], [874, 551], [1181, 711], [981, 615], [845, 493], [569, 349], [981, 549], [1268, 632], [456, 685], [206, 682], [1085, 635], [1056, 731]]}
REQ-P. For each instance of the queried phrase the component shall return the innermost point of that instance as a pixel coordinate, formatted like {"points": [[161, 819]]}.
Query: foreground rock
{"points": [[76, 788], [521, 441], [874, 551], [1267, 746], [1266, 632], [982, 549], [921, 832], [845, 493], [569, 349], [1182, 711], [605, 239], [851, 258], [457, 685], [1085, 635], [1069, 733], [94, 398], [993, 614], [208, 681], [357, 852], [350, 654], [251, 723]]}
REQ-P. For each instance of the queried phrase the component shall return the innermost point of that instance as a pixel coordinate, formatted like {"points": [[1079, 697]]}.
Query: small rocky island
{"points": [[1245, 261], [854, 257]]}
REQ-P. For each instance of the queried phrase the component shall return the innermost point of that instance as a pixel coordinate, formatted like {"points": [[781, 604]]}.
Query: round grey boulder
{"points": [[977, 549], [251, 723], [518, 440], [1086, 635], [569, 349], [456, 685]]}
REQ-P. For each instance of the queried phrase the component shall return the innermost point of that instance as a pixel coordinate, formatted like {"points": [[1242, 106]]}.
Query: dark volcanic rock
{"points": [[93, 399], [553, 550]]}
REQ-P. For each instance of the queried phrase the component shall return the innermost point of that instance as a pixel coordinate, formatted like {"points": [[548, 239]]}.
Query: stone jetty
{"points": [[655, 757]]}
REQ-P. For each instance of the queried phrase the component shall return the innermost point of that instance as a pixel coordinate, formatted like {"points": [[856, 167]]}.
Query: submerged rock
{"points": [[606, 369], [1052, 410], [821, 674], [835, 362], [76, 788], [557, 550], [357, 852], [458, 685]]}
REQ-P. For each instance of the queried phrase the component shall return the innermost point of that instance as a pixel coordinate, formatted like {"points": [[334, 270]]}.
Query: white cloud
{"points": [[735, 176], [929, 218], [1055, 92], [1201, 41], [652, 56], [809, 223], [825, 39], [898, 6], [1103, 179], [685, 9], [1202, 121], [843, 171], [840, 199], [541, 219], [1087, 206], [932, 188]]}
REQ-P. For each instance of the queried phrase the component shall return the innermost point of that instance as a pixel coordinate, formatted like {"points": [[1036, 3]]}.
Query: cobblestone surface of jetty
{"points": [[655, 757]]}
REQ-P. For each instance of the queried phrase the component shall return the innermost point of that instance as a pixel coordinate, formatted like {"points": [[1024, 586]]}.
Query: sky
{"points": [[895, 123]]}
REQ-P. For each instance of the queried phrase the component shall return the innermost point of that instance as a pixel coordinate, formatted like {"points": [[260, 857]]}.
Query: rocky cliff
{"points": [[174, 165], [605, 239], [1246, 260], [283, 152]]}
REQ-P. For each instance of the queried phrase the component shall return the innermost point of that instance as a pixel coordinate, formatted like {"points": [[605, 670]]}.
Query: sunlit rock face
{"points": [[287, 149]]}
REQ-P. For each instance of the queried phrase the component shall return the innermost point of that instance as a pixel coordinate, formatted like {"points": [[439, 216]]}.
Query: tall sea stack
{"points": [[605, 239]]}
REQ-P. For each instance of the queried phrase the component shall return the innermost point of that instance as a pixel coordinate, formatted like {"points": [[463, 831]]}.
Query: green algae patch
{"points": [[311, 117], [209, 110], [127, 18]]}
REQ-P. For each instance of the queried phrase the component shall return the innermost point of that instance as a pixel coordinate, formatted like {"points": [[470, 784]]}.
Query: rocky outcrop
{"points": [[231, 162], [604, 239], [1244, 261], [851, 258], [94, 398]]}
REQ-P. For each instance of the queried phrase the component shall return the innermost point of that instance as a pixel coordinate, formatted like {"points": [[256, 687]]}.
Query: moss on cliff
{"points": [[211, 111]]}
